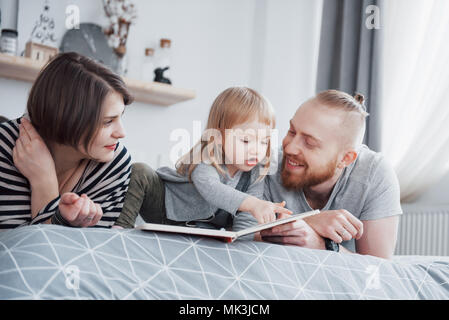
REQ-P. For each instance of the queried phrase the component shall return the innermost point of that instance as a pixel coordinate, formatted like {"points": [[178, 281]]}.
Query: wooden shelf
{"points": [[158, 93], [25, 69]]}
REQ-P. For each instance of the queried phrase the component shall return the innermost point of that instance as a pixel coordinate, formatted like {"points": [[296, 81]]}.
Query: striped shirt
{"points": [[104, 183]]}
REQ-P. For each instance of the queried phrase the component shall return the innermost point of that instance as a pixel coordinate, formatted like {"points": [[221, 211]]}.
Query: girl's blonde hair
{"points": [[234, 106]]}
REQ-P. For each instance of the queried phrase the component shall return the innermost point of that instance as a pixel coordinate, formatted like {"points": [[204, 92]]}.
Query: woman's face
{"points": [[111, 129]]}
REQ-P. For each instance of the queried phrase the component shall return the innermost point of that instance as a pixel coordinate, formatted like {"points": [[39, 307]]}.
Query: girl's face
{"points": [[111, 129], [246, 145]]}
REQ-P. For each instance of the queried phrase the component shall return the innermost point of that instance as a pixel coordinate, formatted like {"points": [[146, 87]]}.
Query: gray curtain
{"points": [[349, 57]]}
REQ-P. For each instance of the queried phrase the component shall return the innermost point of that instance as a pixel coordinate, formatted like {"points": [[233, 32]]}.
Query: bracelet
{"points": [[59, 220]]}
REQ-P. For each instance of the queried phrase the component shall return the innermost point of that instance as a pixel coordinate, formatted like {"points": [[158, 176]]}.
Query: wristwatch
{"points": [[58, 219], [331, 245]]}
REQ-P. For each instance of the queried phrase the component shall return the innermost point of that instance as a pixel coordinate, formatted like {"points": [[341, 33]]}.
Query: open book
{"points": [[228, 236]]}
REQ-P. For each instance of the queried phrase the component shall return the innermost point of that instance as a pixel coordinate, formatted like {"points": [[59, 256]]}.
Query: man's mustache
{"points": [[295, 159]]}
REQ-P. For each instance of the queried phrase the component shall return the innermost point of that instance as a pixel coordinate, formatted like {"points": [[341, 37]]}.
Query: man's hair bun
{"points": [[359, 98]]}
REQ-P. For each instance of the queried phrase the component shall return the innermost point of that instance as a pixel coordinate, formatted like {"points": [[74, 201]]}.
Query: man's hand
{"points": [[337, 225], [32, 157], [79, 211], [297, 233]]}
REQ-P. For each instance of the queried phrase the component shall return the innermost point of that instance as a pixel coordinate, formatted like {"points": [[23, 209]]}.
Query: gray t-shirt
{"points": [[368, 189]]}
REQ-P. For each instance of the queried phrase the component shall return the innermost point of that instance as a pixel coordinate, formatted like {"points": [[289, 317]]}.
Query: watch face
{"points": [[331, 245], [89, 40]]}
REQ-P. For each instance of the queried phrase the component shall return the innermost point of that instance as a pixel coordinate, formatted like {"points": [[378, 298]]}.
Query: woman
{"points": [[62, 163]]}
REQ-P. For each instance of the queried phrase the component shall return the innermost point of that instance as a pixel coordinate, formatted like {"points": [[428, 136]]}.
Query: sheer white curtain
{"points": [[415, 92]]}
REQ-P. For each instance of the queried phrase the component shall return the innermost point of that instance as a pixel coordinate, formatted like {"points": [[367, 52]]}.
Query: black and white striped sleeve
{"points": [[15, 191], [105, 184], [46, 212], [15, 194]]}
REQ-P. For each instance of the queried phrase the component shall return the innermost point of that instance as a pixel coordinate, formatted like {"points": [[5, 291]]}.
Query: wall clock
{"points": [[89, 40]]}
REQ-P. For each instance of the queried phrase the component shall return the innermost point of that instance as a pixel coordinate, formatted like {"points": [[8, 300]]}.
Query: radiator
{"points": [[423, 231]]}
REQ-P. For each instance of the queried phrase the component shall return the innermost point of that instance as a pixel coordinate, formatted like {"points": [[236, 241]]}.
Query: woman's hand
{"points": [[34, 161], [79, 211], [32, 157], [264, 211], [337, 225]]}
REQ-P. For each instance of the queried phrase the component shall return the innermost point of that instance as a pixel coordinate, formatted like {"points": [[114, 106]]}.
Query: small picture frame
{"points": [[40, 52]]}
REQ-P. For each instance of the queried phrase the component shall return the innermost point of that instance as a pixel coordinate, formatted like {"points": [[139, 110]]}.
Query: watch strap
{"points": [[58, 219], [331, 245]]}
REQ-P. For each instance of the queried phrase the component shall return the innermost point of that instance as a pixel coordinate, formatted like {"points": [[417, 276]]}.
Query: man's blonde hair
{"points": [[354, 108]]}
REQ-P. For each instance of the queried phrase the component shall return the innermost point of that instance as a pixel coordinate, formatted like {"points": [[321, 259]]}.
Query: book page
{"points": [[269, 225], [230, 235], [187, 230]]}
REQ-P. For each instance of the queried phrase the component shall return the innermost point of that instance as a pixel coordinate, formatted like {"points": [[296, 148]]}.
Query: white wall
{"points": [[265, 44], [290, 56], [211, 43]]}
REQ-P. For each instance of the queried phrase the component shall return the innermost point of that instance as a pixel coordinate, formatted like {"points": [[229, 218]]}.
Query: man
{"points": [[325, 166]]}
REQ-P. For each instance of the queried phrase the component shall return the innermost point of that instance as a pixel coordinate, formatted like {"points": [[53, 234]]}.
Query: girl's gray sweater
{"points": [[208, 192]]}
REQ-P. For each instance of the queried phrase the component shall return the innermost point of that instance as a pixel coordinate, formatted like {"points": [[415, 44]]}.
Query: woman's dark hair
{"points": [[65, 101]]}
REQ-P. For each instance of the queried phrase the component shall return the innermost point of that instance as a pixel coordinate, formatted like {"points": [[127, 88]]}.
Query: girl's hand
{"points": [[337, 225], [282, 215], [79, 211], [32, 157], [265, 211]]}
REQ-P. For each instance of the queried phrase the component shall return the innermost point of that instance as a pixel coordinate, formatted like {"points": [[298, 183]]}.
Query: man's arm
{"points": [[379, 237], [379, 241], [380, 214]]}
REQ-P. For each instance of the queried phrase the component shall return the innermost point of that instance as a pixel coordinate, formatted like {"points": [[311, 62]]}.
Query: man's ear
{"points": [[349, 157]]}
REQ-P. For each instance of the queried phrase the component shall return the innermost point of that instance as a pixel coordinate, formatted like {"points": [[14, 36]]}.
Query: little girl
{"points": [[219, 182]]}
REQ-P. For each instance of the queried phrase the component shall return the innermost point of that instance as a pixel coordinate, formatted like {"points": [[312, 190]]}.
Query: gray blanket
{"points": [[53, 262]]}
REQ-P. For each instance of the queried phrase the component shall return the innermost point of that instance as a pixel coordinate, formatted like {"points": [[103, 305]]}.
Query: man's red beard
{"points": [[307, 178]]}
